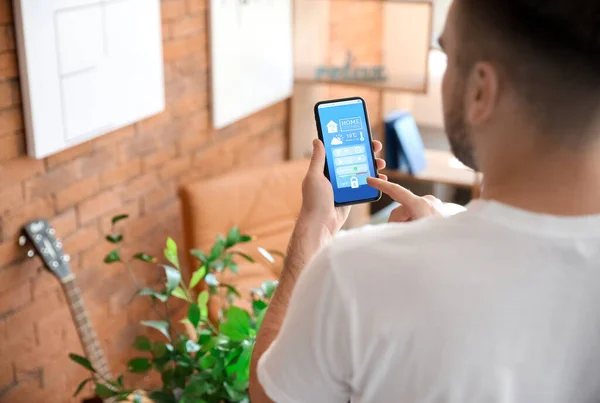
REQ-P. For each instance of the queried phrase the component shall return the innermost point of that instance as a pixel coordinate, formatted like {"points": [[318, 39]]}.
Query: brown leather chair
{"points": [[262, 202]]}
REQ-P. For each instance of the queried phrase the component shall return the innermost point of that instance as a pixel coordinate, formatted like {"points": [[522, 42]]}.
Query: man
{"points": [[497, 304]]}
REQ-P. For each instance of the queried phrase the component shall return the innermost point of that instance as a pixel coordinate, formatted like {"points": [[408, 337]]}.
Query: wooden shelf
{"points": [[442, 167], [382, 86]]}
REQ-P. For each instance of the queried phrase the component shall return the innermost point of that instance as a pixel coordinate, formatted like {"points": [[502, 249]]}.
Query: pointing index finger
{"points": [[396, 192]]}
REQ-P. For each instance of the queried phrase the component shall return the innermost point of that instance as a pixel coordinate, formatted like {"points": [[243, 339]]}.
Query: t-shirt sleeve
{"points": [[310, 359]]}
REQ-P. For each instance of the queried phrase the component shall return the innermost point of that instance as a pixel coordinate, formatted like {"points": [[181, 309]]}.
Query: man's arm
{"points": [[305, 242]]}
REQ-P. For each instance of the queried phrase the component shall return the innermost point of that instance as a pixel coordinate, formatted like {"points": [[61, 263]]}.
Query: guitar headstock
{"points": [[43, 239]]}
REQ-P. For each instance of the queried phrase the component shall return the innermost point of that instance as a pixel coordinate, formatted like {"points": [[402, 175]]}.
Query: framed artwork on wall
{"points": [[252, 57]]}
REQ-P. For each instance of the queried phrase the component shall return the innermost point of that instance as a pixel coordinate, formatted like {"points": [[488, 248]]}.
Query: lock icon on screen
{"points": [[354, 182]]}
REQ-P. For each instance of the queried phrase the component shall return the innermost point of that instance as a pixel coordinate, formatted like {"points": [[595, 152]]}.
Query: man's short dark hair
{"points": [[549, 50]]}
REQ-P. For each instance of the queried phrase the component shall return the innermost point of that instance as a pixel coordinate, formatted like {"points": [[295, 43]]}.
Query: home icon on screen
{"points": [[332, 127]]}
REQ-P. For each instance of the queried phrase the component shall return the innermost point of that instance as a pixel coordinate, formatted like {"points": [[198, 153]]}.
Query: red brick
{"points": [[138, 146], [188, 105], [115, 137], [11, 197], [158, 158], [159, 196], [7, 374], [6, 92], [65, 223], [69, 154], [175, 167], [54, 180], [15, 298], [175, 49], [189, 26], [121, 174], [172, 9], [44, 284], [98, 205], [75, 193], [132, 209], [17, 99], [13, 222], [11, 146], [82, 239], [140, 186], [166, 30], [100, 161], [7, 38], [22, 321], [8, 66], [140, 226], [19, 273], [94, 257], [18, 170], [153, 122], [6, 12], [196, 6]]}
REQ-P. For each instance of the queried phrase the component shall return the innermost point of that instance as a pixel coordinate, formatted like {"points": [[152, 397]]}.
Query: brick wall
{"points": [[135, 170]]}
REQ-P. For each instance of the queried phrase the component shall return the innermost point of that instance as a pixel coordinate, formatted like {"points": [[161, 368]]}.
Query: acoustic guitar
{"points": [[44, 241]]}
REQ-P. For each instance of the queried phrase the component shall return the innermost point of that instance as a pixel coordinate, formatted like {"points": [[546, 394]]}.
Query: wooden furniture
{"points": [[263, 203], [444, 168]]}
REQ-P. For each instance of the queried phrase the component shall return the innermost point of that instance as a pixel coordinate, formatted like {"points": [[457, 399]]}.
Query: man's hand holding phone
{"points": [[317, 193]]}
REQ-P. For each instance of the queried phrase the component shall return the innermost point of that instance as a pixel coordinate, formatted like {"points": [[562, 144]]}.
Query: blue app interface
{"points": [[349, 156]]}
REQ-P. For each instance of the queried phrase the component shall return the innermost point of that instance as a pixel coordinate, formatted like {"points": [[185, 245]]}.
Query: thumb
{"points": [[317, 162]]}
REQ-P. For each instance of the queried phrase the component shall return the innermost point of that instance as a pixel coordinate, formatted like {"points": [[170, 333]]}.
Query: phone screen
{"points": [[343, 127]]}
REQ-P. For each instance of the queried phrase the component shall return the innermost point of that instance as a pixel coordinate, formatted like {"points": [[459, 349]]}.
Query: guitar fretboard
{"points": [[87, 335]]}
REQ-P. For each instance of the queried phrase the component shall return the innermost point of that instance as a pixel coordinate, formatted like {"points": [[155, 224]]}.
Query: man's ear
{"points": [[482, 93]]}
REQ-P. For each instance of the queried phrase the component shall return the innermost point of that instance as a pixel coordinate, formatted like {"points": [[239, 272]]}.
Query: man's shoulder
{"points": [[425, 231]]}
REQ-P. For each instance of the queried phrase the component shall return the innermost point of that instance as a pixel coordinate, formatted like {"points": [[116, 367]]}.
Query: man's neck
{"points": [[551, 180]]}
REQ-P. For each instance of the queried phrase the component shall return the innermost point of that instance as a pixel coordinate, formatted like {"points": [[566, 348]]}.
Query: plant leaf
{"points": [[266, 255], [118, 218], [155, 294], [217, 250], [210, 279], [160, 349], [199, 255], [179, 293], [120, 381], [258, 306], [237, 325], [245, 256], [246, 238], [208, 361], [81, 386], [84, 362], [234, 268], [137, 398], [159, 325], [233, 237], [139, 365], [112, 257], [173, 278], [194, 314], [114, 238], [203, 298], [171, 252], [268, 288], [162, 396], [104, 392], [142, 344], [198, 276], [144, 258], [191, 346]]}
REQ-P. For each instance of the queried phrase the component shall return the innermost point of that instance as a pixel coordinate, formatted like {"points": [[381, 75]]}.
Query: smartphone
{"points": [[343, 127]]}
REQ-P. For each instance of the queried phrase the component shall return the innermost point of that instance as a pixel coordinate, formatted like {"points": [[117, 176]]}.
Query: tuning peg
{"points": [[30, 253], [51, 231], [66, 258], [58, 244], [22, 240]]}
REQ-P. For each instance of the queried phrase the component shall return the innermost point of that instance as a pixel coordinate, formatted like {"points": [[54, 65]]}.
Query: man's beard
{"points": [[458, 132]]}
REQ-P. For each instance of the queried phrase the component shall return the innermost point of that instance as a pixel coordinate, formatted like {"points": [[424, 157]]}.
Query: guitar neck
{"points": [[88, 337]]}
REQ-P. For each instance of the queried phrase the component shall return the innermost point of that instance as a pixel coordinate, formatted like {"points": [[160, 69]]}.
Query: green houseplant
{"points": [[209, 362]]}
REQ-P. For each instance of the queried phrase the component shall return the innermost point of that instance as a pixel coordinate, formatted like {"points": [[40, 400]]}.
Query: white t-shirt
{"points": [[494, 305]]}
